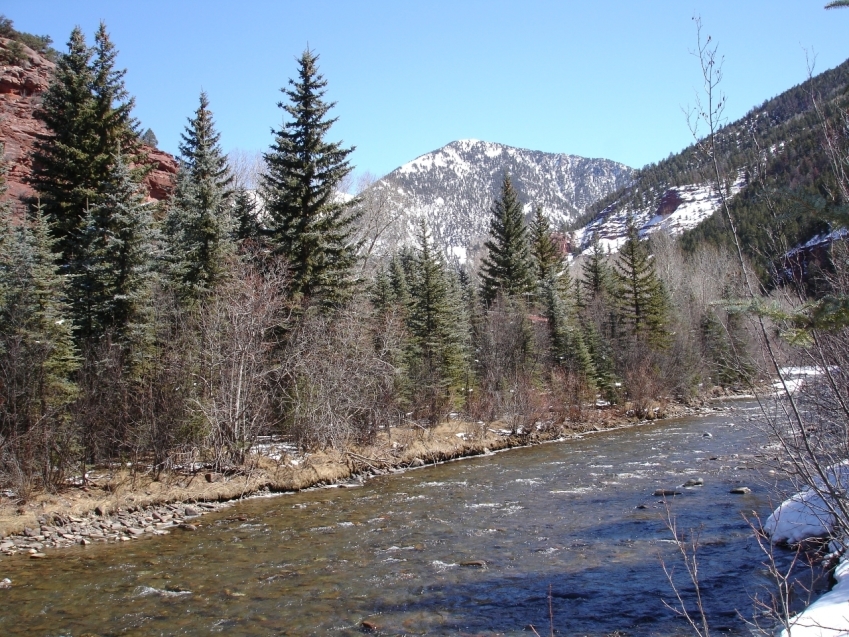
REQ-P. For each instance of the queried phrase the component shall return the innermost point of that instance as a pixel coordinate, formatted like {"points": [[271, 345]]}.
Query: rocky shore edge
{"points": [[135, 516]]}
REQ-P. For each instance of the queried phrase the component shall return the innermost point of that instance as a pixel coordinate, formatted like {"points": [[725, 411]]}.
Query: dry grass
{"points": [[407, 447]]}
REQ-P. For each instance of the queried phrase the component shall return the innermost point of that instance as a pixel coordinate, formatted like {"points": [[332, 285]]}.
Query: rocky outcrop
{"points": [[21, 88]]}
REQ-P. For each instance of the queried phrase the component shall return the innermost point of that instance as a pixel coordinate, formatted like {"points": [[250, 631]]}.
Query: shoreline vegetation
{"points": [[117, 504]]}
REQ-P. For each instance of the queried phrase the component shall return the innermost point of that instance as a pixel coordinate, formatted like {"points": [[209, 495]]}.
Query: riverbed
{"points": [[464, 548]]}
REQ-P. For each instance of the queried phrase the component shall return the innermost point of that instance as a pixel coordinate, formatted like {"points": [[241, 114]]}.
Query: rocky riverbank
{"points": [[119, 505], [57, 530]]}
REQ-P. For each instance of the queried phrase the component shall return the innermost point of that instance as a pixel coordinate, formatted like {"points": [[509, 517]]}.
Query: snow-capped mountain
{"points": [[454, 187]]}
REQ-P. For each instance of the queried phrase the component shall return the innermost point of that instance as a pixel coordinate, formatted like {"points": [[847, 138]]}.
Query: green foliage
{"points": [[87, 112], [643, 306], [112, 269], [38, 43], [149, 138], [568, 348], [597, 275], [507, 267], [435, 317], [544, 252], [246, 223], [37, 355], [198, 225], [307, 223]]}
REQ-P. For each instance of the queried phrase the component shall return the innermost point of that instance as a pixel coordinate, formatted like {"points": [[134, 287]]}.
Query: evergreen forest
{"points": [[152, 333]]}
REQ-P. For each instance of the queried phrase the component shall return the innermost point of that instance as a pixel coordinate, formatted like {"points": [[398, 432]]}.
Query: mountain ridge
{"points": [[453, 188]]}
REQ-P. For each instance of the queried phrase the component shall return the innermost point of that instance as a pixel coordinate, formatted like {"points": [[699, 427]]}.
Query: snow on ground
{"points": [[803, 516], [695, 203]]}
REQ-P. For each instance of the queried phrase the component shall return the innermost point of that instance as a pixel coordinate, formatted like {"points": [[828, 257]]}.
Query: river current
{"points": [[464, 548]]}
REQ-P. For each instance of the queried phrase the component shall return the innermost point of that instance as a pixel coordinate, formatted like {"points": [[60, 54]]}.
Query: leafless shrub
{"points": [[337, 388], [238, 334]]}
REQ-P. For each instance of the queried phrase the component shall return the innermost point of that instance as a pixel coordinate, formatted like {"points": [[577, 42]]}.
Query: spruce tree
{"points": [[507, 267], [642, 302], [198, 225], [87, 112], [435, 318], [112, 277], [308, 224], [545, 254], [596, 273], [37, 355], [246, 223], [567, 342]]}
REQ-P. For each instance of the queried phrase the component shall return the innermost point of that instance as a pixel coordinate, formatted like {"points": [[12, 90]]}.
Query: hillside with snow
{"points": [[679, 209], [453, 189]]}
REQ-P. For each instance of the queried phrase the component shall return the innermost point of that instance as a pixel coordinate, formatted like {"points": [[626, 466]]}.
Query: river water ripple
{"points": [[564, 515]]}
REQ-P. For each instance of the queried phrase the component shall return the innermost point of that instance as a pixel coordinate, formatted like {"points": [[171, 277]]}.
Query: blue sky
{"points": [[600, 79]]}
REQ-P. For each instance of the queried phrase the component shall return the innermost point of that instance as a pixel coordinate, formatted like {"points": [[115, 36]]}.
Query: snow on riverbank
{"points": [[807, 515]]}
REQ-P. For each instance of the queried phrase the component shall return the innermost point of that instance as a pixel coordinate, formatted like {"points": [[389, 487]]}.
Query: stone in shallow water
{"points": [[665, 492], [694, 482], [740, 490]]}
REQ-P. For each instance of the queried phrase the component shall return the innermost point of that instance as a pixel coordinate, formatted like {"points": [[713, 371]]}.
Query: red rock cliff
{"points": [[20, 92]]}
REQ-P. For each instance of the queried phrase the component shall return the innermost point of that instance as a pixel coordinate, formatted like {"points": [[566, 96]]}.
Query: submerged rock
{"points": [[694, 482], [740, 490], [665, 492]]}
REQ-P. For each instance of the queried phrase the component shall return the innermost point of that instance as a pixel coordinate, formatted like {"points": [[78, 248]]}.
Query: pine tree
{"points": [[308, 224], [88, 116], [111, 285], [543, 250], [246, 223], [643, 306], [507, 267], [567, 342], [37, 355], [435, 319], [596, 273], [198, 225], [149, 138]]}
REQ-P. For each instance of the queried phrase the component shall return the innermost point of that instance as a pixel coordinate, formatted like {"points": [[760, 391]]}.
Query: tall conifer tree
{"points": [[596, 273], [37, 355], [87, 112], [643, 305], [198, 226], [308, 223], [436, 317], [543, 250], [507, 268], [111, 284]]}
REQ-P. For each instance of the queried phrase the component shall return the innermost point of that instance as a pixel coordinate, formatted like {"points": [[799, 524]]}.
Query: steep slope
{"points": [[21, 87], [780, 142], [453, 188]]}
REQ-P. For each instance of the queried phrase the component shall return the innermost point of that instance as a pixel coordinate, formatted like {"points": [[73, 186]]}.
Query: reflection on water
{"points": [[463, 548]]}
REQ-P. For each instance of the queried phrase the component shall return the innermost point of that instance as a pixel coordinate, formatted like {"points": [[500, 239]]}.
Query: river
{"points": [[562, 515]]}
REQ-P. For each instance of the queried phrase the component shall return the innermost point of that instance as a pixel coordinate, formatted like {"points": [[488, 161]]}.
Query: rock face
{"points": [[453, 188], [21, 88]]}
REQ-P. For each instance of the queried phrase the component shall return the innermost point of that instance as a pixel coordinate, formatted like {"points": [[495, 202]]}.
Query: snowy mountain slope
{"points": [[453, 188], [681, 208]]}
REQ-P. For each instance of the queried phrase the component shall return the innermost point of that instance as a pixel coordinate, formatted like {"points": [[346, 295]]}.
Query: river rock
{"points": [[5, 583], [474, 563], [191, 512], [37, 556], [369, 627], [417, 462], [665, 492], [694, 482], [740, 490]]}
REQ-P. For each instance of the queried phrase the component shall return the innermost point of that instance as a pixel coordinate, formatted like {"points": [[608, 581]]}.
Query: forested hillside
{"points": [[776, 156]]}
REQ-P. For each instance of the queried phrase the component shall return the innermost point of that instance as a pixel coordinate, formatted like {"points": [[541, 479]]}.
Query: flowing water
{"points": [[563, 515]]}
